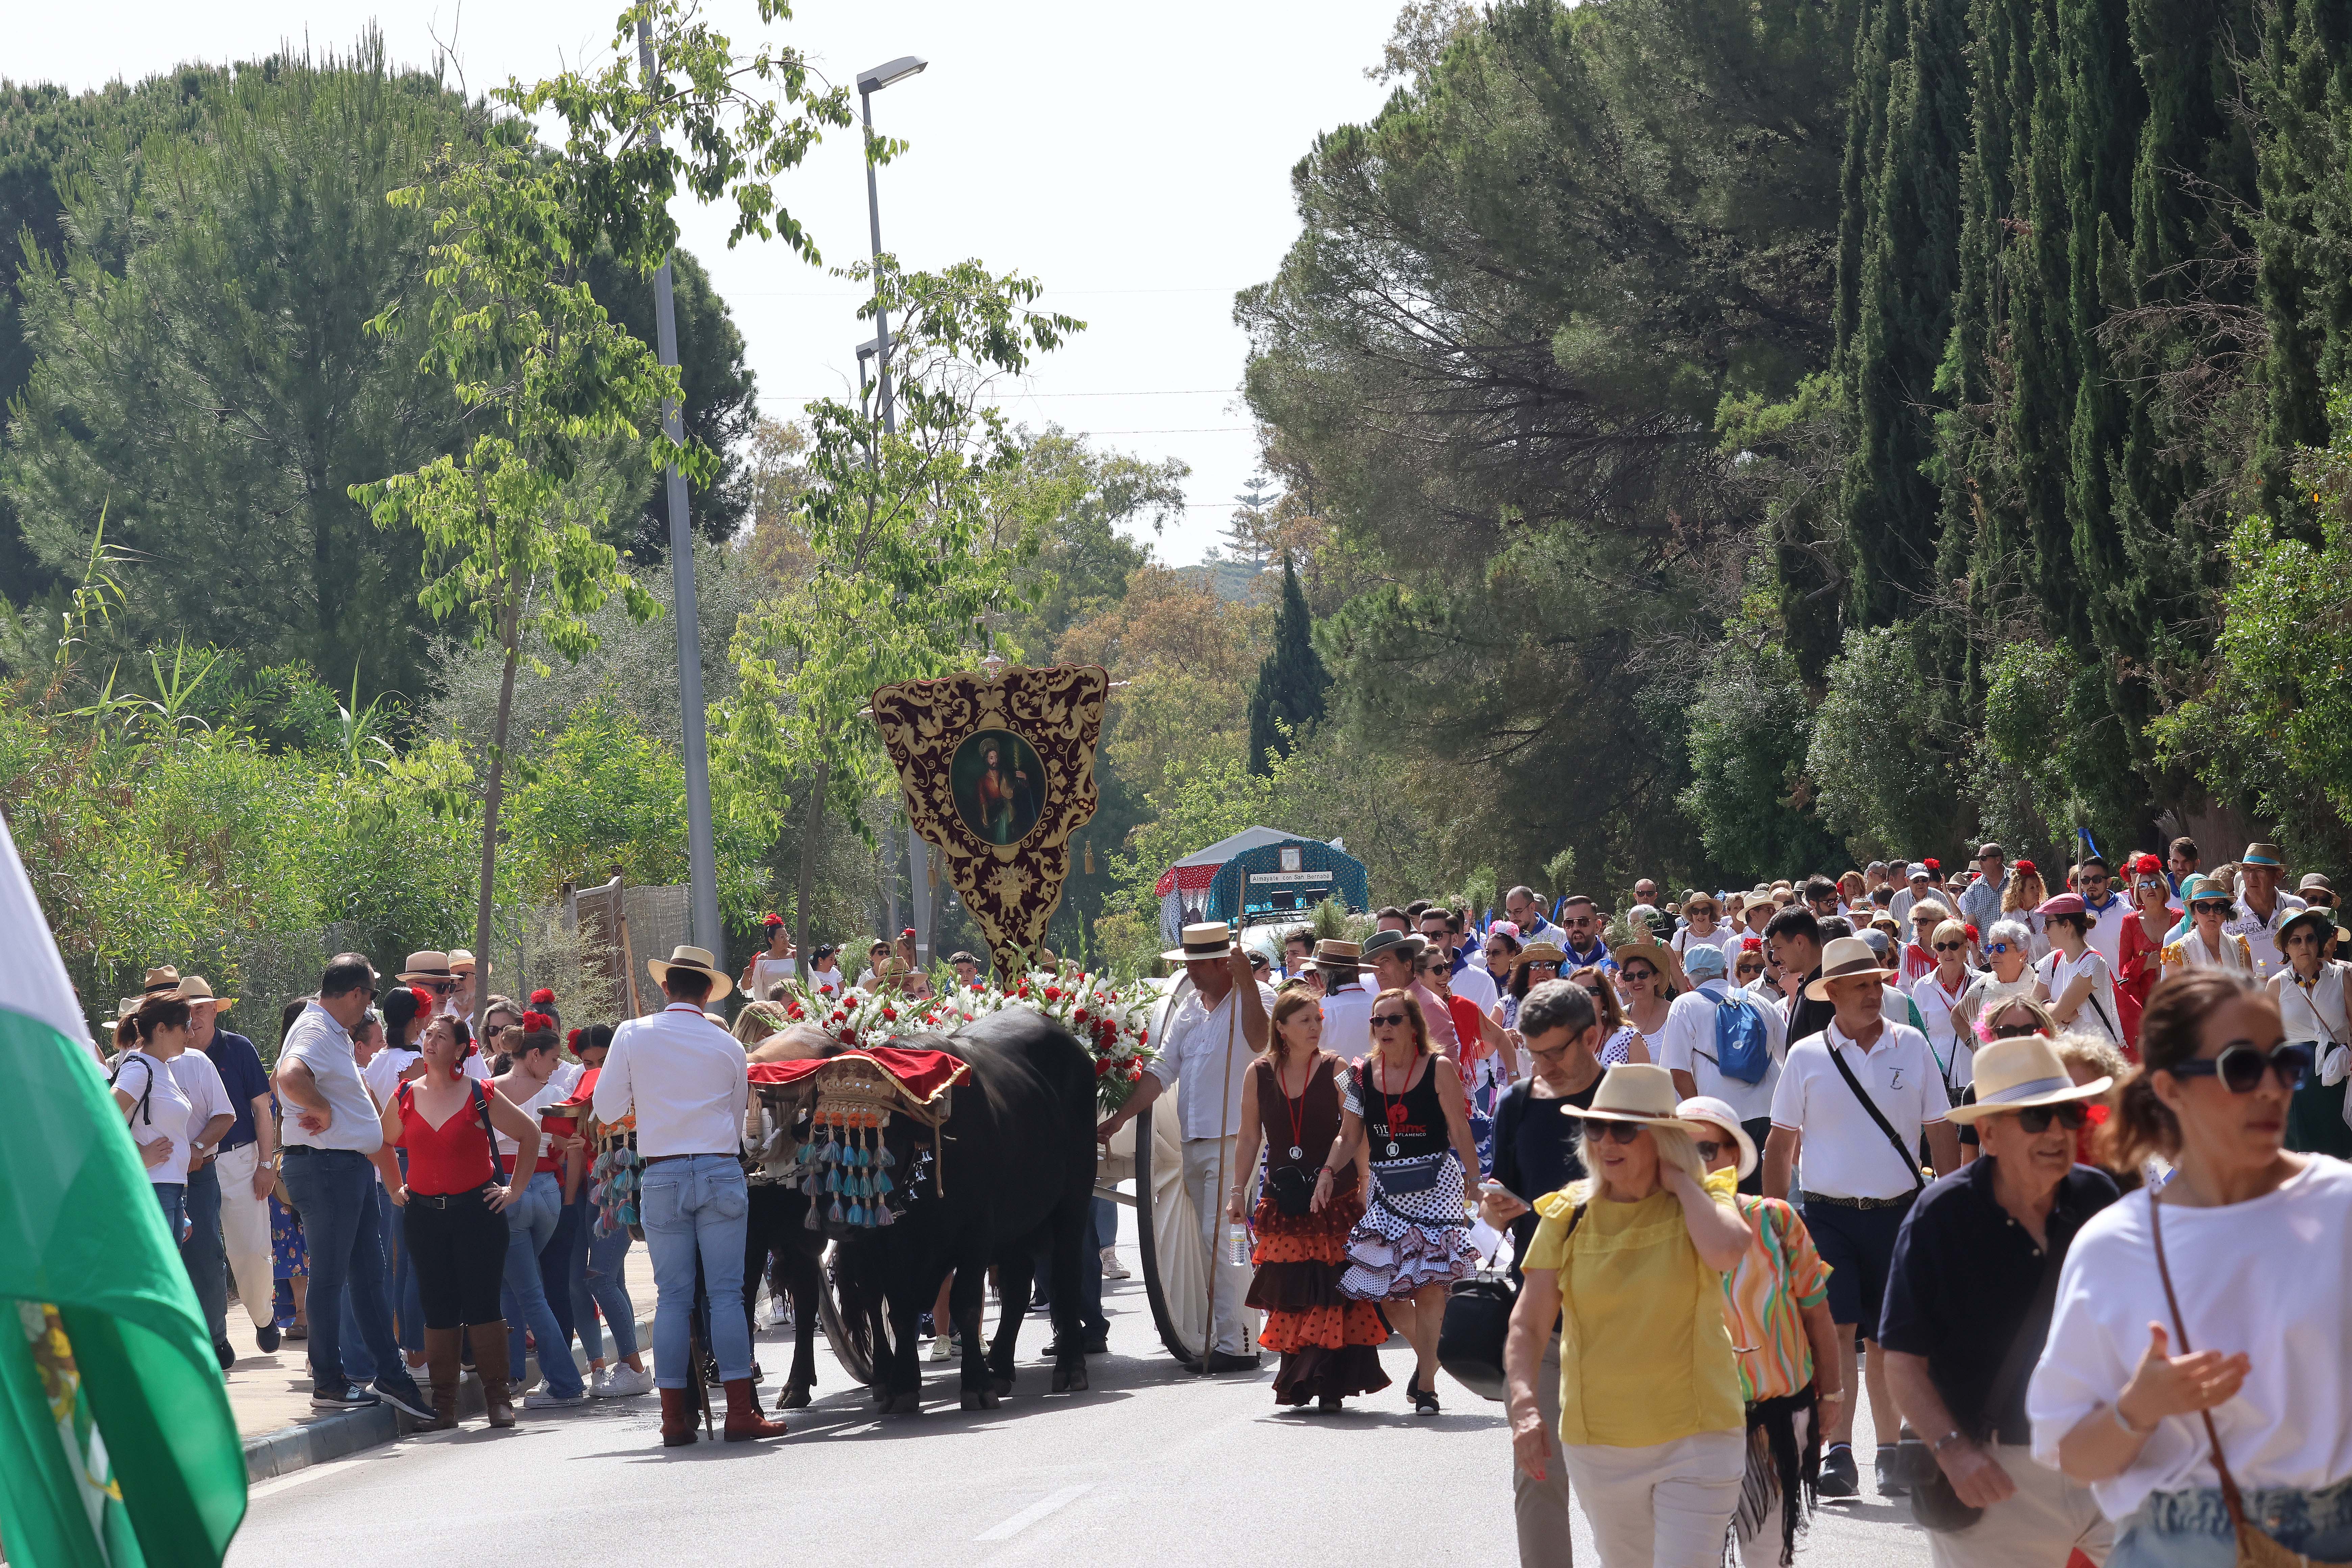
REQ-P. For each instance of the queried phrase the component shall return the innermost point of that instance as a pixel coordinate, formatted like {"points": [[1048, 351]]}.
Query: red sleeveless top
{"points": [[452, 1158]]}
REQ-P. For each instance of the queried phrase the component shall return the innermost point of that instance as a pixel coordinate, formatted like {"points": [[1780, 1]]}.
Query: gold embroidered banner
{"points": [[998, 771]]}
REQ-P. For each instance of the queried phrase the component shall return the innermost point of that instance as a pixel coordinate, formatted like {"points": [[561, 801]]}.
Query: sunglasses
{"points": [[2241, 1067], [1955, 947], [1543, 963], [2000, 947], [1577, 923], [2072, 1116], [2203, 908], [1749, 966], [1387, 1020], [1708, 1149], [1632, 974], [2015, 1031], [1614, 1131], [1595, 992]]}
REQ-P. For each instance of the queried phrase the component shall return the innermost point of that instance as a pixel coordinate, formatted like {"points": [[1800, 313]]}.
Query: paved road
{"points": [[1150, 1467]]}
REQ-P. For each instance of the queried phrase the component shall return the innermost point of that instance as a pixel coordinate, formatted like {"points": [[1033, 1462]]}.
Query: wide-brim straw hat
{"points": [[1658, 956], [1540, 952], [160, 981], [1846, 958], [123, 1008], [1707, 1108], [1639, 1092], [197, 988], [2020, 1073], [461, 962], [1201, 939], [429, 964], [1335, 954], [700, 962]]}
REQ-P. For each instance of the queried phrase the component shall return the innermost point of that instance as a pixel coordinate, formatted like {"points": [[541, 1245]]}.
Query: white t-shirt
{"points": [[201, 1082], [2269, 1276], [1192, 1059], [1687, 1044], [320, 1044], [766, 972], [1953, 1042], [549, 1093], [159, 1108], [1348, 1023], [2096, 1016], [1722, 937], [1843, 1153], [1473, 985], [382, 1074], [2104, 929]]}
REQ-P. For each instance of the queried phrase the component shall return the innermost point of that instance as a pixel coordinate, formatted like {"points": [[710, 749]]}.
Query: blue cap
{"points": [[1704, 960]]}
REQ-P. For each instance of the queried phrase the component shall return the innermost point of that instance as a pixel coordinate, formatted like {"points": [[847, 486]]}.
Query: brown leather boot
{"points": [[490, 1363], [441, 1366], [678, 1416], [744, 1422]]}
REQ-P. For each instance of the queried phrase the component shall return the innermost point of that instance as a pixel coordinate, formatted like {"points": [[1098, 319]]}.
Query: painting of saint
{"points": [[999, 785]]}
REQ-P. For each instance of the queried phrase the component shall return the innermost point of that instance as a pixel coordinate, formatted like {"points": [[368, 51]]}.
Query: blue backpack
{"points": [[1742, 1049]]}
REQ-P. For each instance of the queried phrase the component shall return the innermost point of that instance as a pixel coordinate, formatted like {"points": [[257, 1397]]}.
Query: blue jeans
{"points": [[336, 1193], [530, 1223], [407, 1297], [1105, 1222], [355, 1355], [697, 1203], [559, 1260], [602, 1290], [202, 1255], [174, 1197], [2191, 1528]]}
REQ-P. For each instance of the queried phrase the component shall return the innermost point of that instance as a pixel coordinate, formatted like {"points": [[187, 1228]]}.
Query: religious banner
{"points": [[998, 771]]}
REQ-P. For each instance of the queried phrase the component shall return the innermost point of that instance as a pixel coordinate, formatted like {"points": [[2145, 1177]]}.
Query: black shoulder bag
{"points": [[1934, 1504], [482, 1109], [1910, 1161], [1478, 1322]]}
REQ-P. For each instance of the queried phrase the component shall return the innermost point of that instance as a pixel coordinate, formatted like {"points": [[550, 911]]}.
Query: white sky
{"points": [[1134, 157]]}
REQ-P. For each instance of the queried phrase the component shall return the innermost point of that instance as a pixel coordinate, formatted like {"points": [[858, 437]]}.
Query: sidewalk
{"points": [[270, 1395]]}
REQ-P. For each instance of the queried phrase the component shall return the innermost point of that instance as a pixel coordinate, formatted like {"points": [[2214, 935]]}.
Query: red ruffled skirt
{"points": [[1330, 1344]]}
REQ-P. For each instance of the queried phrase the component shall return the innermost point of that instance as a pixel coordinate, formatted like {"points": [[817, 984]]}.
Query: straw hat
{"points": [[1203, 939], [2263, 855], [1642, 1092], [1334, 954], [2020, 1073], [1707, 1108], [1658, 956], [1845, 958], [2319, 915], [427, 966], [461, 962], [1540, 952], [197, 988], [160, 981], [123, 1009], [699, 961]]}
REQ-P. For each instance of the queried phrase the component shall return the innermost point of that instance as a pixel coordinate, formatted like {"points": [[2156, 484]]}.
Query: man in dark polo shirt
{"points": [[1968, 1303], [1794, 941]]}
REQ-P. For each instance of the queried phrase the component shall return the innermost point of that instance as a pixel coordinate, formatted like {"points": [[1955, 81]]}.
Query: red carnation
{"points": [[423, 999], [1052, 995], [542, 997], [571, 1042], [890, 1014], [534, 1022]]}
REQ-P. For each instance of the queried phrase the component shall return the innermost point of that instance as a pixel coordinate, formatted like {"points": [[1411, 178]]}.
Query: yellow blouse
{"points": [[1634, 1294]]}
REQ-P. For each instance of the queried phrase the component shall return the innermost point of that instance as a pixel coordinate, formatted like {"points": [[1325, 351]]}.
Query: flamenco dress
{"points": [[1414, 1232]]}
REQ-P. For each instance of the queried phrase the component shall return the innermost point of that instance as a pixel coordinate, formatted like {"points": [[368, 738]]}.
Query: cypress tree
{"points": [[1292, 682]]}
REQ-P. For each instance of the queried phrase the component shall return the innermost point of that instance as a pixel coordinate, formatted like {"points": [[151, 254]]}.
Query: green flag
{"points": [[117, 1447]]}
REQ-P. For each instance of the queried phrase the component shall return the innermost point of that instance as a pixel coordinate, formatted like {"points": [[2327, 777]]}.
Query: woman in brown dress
{"points": [[1330, 1345]]}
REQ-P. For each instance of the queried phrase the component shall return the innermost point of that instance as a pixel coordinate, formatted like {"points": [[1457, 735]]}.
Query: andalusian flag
{"points": [[117, 1447]]}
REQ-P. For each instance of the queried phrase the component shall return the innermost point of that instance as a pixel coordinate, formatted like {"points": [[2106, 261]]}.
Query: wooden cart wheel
{"points": [[853, 1344], [1175, 1260]]}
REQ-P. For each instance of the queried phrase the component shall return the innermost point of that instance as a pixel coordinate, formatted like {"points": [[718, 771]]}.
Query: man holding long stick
{"points": [[1204, 1050]]}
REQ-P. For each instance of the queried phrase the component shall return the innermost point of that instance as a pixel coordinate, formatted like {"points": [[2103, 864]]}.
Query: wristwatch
{"points": [[2116, 1410], [1946, 1441]]}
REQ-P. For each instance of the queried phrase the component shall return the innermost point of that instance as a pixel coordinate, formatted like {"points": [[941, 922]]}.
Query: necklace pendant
{"points": [[1393, 1149], [1296, 1152]]}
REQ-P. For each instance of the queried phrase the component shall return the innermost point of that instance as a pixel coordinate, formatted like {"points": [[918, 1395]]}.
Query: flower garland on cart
{"points": [[1112, 1019]]}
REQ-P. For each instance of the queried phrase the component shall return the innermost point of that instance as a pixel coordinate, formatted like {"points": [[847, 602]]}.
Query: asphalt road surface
{"points": [[1150, 1467]]}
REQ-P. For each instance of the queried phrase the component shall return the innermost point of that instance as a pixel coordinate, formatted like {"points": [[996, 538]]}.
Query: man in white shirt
{"points": [[333, 1141], [2261, 907], [1520, 904], [2103, 910], [1468, 980], [1915, 888], [685, 1079], [1857, 1181], [1347, 1004], [1688, 1048], [1205, 1050]]}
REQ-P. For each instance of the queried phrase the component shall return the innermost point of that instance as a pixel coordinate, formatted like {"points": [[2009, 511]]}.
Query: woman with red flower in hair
{"points": [[532, 1218], [2140, 958], [1330, 1344], [776, 963]]}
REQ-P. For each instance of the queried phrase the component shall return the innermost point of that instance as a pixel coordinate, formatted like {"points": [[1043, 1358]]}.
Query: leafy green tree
{"points": [[1288, 700], [509, 529], [906, 563]]}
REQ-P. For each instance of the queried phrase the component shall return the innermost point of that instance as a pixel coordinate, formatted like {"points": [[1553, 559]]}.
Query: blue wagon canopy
{"points": [[1285, 879]]}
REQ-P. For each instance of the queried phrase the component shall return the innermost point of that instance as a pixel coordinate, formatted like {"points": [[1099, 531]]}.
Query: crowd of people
{"points": [[1738, 1147]]}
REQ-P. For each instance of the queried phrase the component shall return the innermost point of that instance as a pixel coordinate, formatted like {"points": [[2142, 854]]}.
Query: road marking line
{"points": [[1033, 1513]]}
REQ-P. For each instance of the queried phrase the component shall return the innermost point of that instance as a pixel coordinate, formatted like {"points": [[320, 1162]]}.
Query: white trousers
{"points": [[2049, 1518], [245, 1233], [1201, 1168], [1667, 1506]]}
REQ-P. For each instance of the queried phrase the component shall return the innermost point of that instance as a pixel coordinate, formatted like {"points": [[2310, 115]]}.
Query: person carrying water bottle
{"points": [[1720, 1041]]}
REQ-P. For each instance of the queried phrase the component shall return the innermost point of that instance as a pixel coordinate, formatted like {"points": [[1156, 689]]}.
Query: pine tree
{"points": [[1292, 682]]}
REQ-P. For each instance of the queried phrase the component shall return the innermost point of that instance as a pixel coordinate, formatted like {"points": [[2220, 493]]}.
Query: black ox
{"points": [[1015, 1178]]}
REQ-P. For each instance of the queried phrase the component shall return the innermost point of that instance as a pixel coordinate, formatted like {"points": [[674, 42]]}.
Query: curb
{"points": [[338, 1435]]}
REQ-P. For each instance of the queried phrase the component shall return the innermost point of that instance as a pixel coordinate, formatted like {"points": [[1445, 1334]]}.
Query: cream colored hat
{"points": [[461, 962], [160, 981], [427, 965], [1204, 939], [1707, 1108], [2020, 1073], [1635, 1091], [197, 988], [1843, 959], [697, 959]]}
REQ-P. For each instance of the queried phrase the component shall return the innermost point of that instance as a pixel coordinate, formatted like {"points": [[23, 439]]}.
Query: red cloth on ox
{"points": [[585, 1089], [926, 1075]]}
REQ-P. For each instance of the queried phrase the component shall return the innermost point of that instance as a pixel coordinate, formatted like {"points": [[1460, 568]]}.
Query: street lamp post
{"points": [[868, 84]]}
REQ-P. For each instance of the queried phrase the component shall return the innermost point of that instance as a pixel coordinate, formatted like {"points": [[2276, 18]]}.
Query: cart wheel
{"points": [[853, 1344], [1164, 1229]]}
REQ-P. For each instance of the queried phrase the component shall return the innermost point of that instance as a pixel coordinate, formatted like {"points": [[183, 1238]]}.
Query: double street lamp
{"points": [[870, 82]]}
